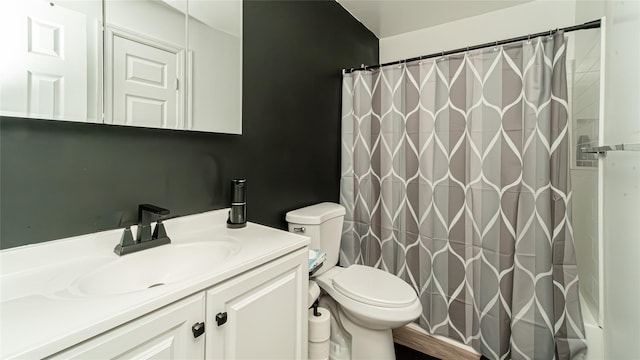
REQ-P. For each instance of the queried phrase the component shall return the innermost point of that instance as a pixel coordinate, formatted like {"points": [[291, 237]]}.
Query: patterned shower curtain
{"points": [[455, 178]]}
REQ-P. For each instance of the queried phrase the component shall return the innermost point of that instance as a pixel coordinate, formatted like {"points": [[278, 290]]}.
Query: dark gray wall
{"points": [[59, 179]]}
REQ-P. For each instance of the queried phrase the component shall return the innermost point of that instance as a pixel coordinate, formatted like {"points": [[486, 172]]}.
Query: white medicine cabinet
{"points": [[174, 64]]}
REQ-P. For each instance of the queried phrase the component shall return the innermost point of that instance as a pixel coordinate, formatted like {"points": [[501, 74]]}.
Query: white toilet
{"points": [[366, 302]]}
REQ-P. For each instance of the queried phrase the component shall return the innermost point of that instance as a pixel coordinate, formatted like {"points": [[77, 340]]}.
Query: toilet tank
{"points": [[323, 224]]}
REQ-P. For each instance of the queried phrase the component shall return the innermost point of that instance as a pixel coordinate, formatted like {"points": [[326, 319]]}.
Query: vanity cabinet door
{"points": [[163, 334], [261, 314]]}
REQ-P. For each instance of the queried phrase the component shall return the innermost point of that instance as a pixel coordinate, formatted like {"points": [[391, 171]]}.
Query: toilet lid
{"points": [[374, 287]]}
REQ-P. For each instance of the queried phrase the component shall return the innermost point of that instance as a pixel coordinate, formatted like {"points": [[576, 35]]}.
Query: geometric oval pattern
{"points": [[455, 178]]}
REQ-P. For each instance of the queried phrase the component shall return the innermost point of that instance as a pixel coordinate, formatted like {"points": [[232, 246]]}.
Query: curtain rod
{"points": [[588, 25]]}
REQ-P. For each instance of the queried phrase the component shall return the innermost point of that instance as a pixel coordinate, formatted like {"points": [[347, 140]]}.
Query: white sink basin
{"points": [[155, 267]]}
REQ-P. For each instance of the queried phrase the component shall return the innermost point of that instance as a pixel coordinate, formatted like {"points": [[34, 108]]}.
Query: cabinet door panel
{"points": [[163, 334], [48, 74], [266, 313]]}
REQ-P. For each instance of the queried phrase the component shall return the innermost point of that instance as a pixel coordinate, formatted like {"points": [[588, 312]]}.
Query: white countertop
{"points": [[39, 316]]}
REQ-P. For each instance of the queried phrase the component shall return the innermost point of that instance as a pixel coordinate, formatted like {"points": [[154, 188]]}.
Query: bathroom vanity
{"points": [[212, 293]]}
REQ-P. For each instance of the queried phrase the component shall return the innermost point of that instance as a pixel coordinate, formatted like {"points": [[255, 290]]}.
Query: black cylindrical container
{"points": [[238, 212]]}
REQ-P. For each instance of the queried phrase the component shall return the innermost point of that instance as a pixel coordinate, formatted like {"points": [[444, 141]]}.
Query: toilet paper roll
{"points": [[319, 326], [319, 350]]}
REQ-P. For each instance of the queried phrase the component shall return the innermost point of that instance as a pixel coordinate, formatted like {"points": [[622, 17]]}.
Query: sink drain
{"points": [[154, 285]]}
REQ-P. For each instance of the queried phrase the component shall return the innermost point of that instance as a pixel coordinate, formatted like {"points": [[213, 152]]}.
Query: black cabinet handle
{"points": [[198, 329], [221, 318]]}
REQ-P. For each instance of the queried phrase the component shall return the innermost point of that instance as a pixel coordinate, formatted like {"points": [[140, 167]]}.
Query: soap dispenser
{"points": [[238, 212]]}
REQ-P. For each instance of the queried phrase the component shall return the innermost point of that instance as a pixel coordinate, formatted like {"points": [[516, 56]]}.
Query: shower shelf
{"points": [[604, 149]]}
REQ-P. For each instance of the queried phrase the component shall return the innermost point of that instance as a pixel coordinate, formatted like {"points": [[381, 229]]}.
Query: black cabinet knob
{"points": [[198, 329], [221, 318]]}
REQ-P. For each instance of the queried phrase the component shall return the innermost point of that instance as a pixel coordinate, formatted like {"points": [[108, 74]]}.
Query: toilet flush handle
{"points": [[299, 229]]}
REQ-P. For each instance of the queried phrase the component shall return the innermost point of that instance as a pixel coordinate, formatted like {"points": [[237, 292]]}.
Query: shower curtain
{"points": [[455, 178]]}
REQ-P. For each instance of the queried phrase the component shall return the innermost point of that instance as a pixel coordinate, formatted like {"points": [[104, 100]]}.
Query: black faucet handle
{"points": [[127, 238], [159, 232]]}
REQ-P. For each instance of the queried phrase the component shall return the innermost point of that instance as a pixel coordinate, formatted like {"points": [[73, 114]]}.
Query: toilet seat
{"points": [[374, 287], [373, 317]]}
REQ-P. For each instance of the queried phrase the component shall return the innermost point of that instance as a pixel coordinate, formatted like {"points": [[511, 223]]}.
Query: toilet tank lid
{"points": [[315, 214]]}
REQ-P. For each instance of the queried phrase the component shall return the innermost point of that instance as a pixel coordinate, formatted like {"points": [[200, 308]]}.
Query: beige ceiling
{"points": [[392, 17]]}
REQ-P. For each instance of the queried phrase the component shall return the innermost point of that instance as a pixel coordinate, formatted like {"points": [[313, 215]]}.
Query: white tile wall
{"points": [[584, 93]]}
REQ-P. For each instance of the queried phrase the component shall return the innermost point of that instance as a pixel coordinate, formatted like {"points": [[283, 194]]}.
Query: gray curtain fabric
{"points": [[455, 178]]}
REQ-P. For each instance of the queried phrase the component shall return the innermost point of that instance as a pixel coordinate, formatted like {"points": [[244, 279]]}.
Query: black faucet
{"points": [[147, 214]]}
